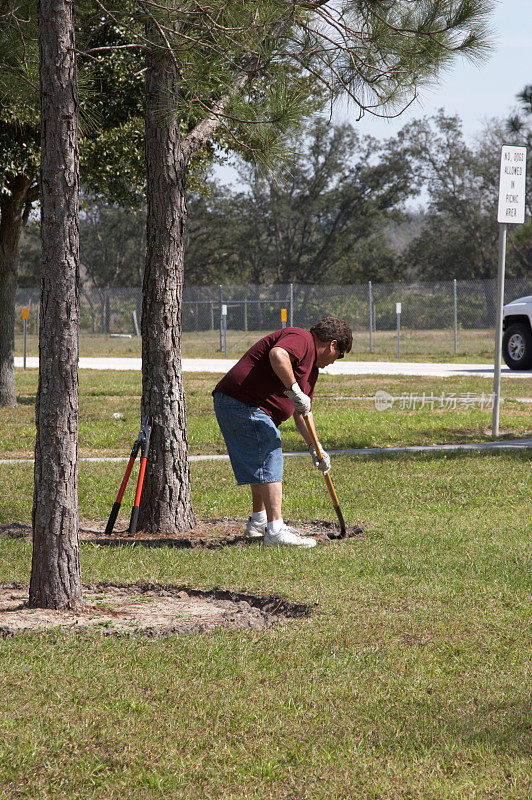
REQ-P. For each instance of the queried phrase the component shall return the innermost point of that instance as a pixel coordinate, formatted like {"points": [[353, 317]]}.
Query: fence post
{"points": [[224, 326], [291, 305], [138, 302], [455, 317], [221, 319], [370, 318], [398, 313], [135, 323], [25, 316], [246, 316], [105, 310]]}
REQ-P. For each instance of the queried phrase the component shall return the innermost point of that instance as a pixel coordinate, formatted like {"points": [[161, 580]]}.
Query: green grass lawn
{"points": [[343, 419], [416, 345], [410, 681]]}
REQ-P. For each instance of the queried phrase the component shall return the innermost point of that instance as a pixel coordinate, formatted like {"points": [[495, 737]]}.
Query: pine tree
{"points": [[242, 74], [56, 573]]}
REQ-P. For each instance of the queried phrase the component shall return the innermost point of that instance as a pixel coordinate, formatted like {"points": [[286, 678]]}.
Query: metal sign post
{"points": [[220, 289], [398, 312], [291, 305], [224, 328], [25, 315], [511, 210], [455, 303], [370, 318]]}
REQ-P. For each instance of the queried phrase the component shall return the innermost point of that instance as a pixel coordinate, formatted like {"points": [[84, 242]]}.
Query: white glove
{"points": [[325, 464], [299, 399]]}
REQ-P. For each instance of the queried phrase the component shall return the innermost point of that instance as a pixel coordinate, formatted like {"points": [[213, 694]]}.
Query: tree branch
{"points": [[207, 127]]}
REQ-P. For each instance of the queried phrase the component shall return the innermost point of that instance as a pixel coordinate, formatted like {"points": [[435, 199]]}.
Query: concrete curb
{"points": [[509, 444]]}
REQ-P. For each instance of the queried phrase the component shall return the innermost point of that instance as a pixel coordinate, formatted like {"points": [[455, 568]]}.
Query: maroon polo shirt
{"points": [[253, 381]]}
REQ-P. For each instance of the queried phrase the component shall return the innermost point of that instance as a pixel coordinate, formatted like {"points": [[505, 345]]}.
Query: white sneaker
{"points": [[254, 530], [287, 537]]}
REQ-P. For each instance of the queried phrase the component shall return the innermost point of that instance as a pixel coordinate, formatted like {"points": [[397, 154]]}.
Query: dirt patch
{"points": [[147, 609], [154, 610], [208, 533]]}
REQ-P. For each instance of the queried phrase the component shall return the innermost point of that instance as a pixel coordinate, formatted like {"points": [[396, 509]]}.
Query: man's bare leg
{"points": [[268, 496], [256, 497]]}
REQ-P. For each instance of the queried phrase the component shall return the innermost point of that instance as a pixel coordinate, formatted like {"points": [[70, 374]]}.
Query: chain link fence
{"points": [[435, 315]]}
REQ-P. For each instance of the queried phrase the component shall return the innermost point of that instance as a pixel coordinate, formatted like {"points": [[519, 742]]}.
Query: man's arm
{"points": [[323, 463], [281, 362], [302, 428], [282, 366]]}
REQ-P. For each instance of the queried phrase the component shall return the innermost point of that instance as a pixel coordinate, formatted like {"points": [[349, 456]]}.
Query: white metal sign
{"points": [[512, 185], [398, 308]]}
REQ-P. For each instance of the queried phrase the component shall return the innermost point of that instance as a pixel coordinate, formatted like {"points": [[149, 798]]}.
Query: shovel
{"points": [[329, 483]]}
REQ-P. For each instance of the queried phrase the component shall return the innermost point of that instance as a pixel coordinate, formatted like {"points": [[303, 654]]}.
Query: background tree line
{"points": [[338, 210]]}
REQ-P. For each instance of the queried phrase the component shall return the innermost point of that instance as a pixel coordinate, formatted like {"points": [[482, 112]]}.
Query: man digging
{"points": [[272, 381]]}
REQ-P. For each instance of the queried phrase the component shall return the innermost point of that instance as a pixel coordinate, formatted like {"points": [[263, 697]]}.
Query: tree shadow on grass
{"points": [[503, 728]]}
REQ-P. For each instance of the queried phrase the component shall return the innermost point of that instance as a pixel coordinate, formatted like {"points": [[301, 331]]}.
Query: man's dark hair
{"points": [[332, 328]]}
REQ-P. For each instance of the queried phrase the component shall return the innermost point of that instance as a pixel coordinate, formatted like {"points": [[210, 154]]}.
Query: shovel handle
{"points": [[328, 479]]}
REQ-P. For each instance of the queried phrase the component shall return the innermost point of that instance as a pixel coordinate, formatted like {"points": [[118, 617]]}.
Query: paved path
{"points": [[221, 365], [426, 369], [508, 444]]}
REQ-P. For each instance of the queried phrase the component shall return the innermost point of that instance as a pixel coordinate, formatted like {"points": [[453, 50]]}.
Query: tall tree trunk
{"points": [[11, 223], [56, 574], [166, 507]]}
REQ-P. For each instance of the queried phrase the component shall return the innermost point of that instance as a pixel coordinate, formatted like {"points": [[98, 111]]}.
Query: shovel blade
{"points": [[337, 534], [342, 533]]}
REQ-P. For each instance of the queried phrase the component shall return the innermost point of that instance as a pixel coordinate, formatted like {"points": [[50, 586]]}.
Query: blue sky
{"points": [[476, 92]]}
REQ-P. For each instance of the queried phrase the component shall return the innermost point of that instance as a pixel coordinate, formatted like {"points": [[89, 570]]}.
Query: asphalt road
{"points": [[221, 365]]}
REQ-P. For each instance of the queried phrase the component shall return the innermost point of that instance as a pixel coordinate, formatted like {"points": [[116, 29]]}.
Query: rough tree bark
{"points": [[56, 574], [14, 207], [166, 507]]}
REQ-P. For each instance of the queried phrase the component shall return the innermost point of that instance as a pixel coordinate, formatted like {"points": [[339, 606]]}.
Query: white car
{"points": [[517, 329]]}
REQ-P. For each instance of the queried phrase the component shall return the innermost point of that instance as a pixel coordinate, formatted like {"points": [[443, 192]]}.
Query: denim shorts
{"points": [[252, 439]]}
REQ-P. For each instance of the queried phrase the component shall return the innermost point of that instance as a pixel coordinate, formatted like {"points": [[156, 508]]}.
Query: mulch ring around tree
{"points": [[147, 609], [207, 533]]}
